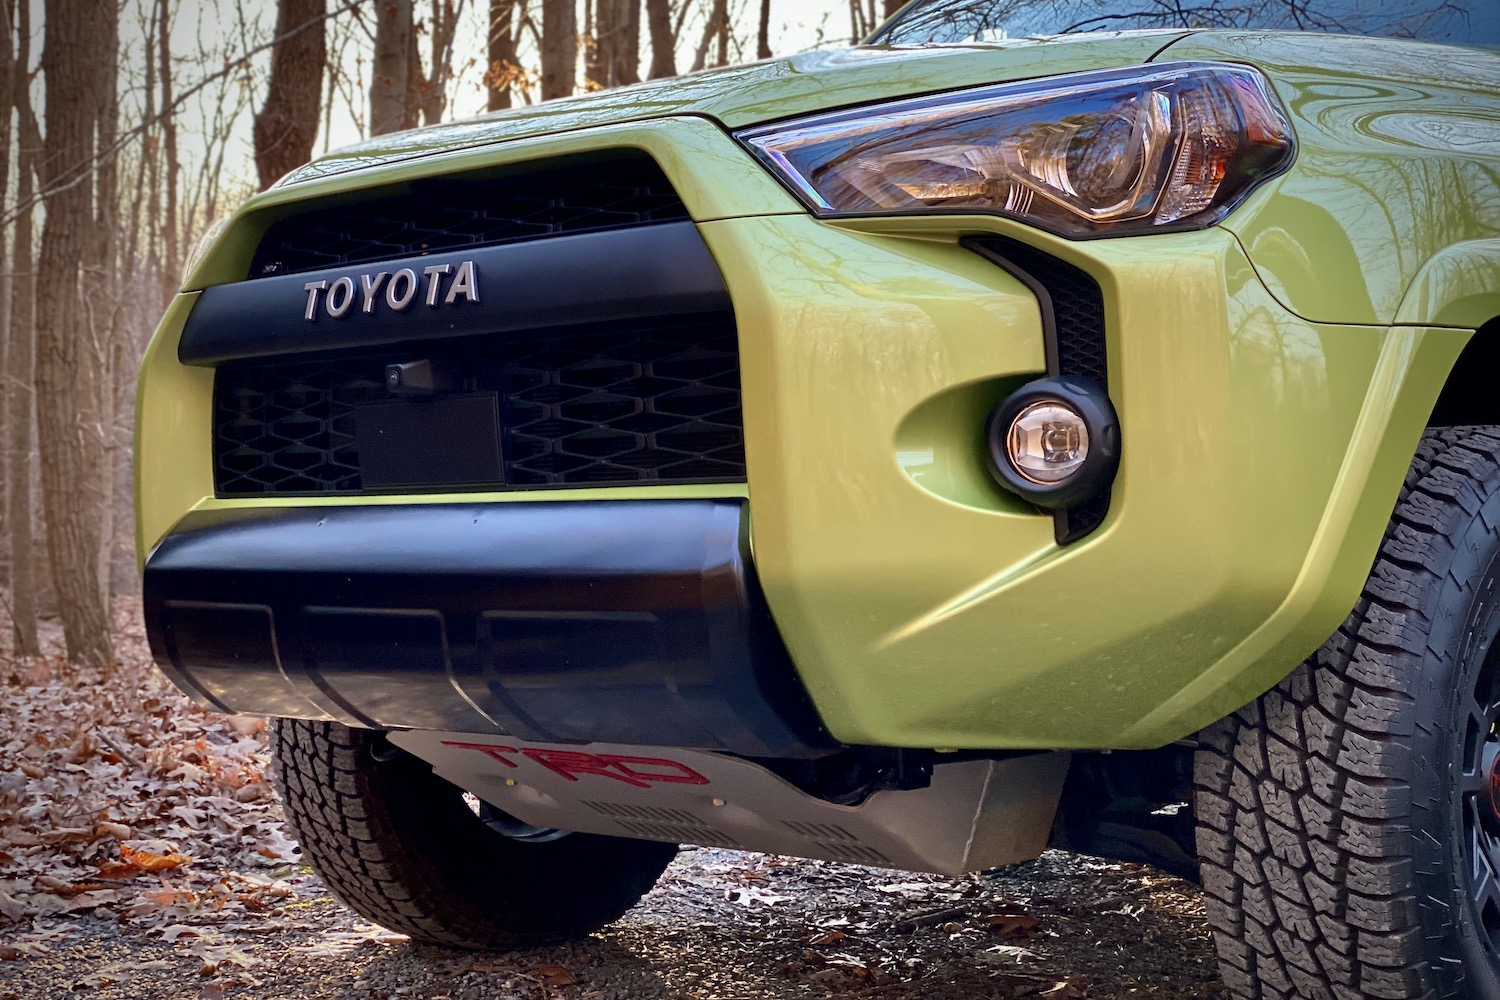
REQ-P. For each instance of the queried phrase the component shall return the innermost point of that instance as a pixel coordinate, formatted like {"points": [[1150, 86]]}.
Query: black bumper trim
{"points": [[658, 270], [636, 622]]}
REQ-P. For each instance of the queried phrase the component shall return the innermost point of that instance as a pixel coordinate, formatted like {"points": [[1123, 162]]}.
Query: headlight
{"points": [[1138, 150]]}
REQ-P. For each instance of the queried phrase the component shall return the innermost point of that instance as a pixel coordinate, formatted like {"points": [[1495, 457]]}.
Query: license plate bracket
{"points": [[451, 440]]}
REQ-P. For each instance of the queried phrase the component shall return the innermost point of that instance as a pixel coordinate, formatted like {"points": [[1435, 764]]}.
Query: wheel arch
{"points": [[1468, 395]]}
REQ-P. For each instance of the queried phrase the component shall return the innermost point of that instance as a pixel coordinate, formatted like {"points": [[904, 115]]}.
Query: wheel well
{"points": [[1469, 396]]}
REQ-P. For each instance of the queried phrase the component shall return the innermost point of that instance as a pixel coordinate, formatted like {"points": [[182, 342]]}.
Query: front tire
{"points": [[402, 848], [1348, 838]]}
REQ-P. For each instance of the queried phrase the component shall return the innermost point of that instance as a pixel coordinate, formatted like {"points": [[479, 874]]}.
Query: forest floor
{"points": [[142, 855]]}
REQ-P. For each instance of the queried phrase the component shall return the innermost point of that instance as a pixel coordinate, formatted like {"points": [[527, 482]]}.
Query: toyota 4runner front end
{"points": [[695, 463]]}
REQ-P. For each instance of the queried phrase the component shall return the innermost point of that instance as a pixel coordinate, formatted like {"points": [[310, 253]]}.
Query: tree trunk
{"points": [[559, 48], [20, 364], [625, 67], [663, 39], [287, 125], [502, 54], [595, 73], [416, 81], [714, 29], [102, 306], [723, 57], [434, 96], [763, 36], [68, 372], [891, 6], [170, 258], [7, 102], [617, 33], [390, 80]]}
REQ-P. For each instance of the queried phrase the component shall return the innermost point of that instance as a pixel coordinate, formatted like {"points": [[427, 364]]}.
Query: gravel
{"points": [[720, 925]]}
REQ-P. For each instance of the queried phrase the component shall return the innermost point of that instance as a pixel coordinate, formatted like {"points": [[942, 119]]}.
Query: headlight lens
{"points": [[1140, 150]]}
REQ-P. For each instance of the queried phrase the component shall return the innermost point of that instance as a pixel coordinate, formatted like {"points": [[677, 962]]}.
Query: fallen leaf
{"points": [[1010, 924], [119, 831], [149, 861], [555, 976], [1062, 991], [1007, 953], [828, 937], [9, 954], [257, 791]]}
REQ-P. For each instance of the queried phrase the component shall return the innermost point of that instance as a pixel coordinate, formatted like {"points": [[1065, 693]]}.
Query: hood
{"points": [[765, 91]]}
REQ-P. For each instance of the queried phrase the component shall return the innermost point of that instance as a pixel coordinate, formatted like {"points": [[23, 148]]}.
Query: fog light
{"points": [[1055, 441], [1048, 442]]}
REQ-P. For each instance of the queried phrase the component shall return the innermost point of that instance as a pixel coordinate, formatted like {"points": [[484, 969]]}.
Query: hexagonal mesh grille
{"points": [[1077, 306], [473, 210], [657, 403]]}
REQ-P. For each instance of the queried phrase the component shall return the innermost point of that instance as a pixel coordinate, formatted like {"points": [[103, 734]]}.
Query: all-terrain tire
{"points": [[402, 848], [1339, 813]]}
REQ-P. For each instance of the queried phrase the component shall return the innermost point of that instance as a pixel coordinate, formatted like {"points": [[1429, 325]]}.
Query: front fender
{"points": [[1459, 286]]}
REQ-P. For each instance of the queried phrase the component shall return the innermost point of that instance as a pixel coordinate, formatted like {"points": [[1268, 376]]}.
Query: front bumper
{"points": [[922, 605], [636, 623]]}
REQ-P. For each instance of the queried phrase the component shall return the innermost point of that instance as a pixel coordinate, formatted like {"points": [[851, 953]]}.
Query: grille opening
{"points": [[475, 209], [644, 402]]}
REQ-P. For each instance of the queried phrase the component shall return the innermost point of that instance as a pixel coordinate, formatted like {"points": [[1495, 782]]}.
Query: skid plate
{"points": [[976, 814]]}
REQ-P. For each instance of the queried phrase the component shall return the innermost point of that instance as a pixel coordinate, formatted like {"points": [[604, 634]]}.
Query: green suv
{"points": [[914, 455]]}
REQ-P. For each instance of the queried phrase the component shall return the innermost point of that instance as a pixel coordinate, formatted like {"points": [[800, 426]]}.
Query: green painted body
{"points": [[1272, 374]]}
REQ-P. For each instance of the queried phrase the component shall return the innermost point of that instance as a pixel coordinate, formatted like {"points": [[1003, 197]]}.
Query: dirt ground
{"points": [[142, 855]]}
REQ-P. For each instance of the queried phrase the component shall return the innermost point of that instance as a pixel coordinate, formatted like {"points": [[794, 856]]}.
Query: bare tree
{"points": [[559, 48], [502, 55], [390, 85], [70, 372], [616, 49], [171, 232], [21, 359], [862, 19], [7, 101], [763, 32], [287, 125], [429, 94], [663, 39], [715, 30]]}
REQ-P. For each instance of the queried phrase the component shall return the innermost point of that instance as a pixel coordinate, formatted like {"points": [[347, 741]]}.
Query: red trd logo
{"points": [[640, 772]]}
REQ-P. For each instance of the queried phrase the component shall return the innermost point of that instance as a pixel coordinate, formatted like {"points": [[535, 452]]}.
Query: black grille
{"points": [[1076, 306], [654, 403], [1073, 321], [473, 210]]}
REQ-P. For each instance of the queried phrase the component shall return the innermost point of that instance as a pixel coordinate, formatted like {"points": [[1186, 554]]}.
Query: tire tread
{"points": [[1304, 799]]}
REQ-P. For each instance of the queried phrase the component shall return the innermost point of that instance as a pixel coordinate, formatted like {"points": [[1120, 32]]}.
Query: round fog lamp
{"points": [[1055, 441], [1047, 442]]}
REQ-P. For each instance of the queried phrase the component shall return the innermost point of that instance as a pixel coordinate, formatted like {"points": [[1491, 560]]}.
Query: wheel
{"points": [[405, 849], [1349, 819]]}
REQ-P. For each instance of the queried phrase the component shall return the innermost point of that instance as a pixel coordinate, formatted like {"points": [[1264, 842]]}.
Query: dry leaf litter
{"points": [[142, 855]]}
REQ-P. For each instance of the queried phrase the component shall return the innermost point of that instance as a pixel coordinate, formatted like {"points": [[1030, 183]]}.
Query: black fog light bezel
{"points": [[1084, 397]]}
